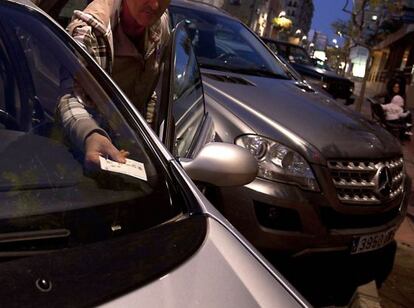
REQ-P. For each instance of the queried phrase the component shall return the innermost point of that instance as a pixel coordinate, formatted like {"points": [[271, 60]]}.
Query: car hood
{"points": [[275, 107], [221, 274], [317, 71]]}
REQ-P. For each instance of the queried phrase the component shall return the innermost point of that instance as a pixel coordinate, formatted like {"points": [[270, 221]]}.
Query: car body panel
{"points": [[352, 134], [212, 278], [315, 235]]}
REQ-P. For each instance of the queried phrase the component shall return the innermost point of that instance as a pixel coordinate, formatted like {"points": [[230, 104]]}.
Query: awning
{"points": [[396, 36]]}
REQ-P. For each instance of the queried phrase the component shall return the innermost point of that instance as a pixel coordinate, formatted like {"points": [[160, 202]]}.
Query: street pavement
{"points": [[398, 289]]}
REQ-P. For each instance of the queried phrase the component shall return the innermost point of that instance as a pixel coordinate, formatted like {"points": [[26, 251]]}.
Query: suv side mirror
{"points": [[221, 164]]}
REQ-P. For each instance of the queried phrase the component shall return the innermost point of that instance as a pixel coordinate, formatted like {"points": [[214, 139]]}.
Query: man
{"points": [[126, 38]]}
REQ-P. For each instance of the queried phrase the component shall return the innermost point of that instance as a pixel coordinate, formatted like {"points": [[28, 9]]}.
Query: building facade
{"points": [[395, 53], [259, 14], [301, 14]]}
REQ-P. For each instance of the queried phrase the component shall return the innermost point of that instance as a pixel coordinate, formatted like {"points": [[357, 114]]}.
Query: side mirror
{"points": [[221, 164]]}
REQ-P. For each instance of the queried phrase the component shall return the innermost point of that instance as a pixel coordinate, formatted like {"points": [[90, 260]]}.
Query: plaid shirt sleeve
{"points": [[74, 112]]}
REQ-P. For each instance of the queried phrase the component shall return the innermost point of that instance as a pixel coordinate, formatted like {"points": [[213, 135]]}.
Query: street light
{"points": [[304, 38], [282, 14], [374, 17], [335, 41]]}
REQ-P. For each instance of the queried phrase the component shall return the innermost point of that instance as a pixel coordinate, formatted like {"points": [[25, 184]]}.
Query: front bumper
{"points": [[301, 222]]}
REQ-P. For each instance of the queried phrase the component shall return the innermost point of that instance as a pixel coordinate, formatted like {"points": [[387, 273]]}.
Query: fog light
{"points": [[277, 218]]}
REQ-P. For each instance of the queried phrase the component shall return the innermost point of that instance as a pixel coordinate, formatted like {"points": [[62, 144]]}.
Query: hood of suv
{"points": [[317, 72], [266, 104]]}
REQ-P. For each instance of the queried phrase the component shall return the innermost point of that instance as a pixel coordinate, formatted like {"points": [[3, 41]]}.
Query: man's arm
{"points": [[76, 115], [77, 121]]}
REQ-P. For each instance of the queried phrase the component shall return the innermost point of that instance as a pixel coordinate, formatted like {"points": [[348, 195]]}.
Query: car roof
{"points": [[202, 7], [265, 39]]}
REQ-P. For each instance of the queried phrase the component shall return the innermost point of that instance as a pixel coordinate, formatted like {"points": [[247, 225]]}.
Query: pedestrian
{"points": [[126, 38], [395, 108]]}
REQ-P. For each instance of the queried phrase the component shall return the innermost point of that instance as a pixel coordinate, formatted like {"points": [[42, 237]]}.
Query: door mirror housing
{"points": [[221, 164]]}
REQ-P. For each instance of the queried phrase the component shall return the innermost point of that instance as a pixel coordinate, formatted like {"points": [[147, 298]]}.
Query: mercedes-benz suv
{"points": [[329, 179]]}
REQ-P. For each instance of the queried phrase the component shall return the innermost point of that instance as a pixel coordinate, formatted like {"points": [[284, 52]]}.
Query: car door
{"points": [[183, 123]]}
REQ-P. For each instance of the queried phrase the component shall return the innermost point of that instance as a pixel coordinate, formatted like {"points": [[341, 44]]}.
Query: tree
{"points": [[344, 30], [368, 25]]}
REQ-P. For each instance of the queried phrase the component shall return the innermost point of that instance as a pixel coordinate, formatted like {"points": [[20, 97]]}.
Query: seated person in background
{"points": [[126, 38], [394, 111]]}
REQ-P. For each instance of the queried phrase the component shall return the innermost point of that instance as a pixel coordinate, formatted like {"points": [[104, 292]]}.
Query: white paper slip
{"points": [[131, 167]]}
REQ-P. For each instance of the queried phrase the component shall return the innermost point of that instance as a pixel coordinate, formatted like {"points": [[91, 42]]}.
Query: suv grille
{"points": [[368, 182]]}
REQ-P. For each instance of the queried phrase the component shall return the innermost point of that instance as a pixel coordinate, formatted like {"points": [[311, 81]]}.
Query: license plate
{"points": [[372, 242]]}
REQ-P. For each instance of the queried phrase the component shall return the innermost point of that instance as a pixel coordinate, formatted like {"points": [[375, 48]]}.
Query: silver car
{"points": [[140, 234]]}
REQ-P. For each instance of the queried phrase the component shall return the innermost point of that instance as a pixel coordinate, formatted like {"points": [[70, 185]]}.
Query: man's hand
{"points": [[97, 145]]}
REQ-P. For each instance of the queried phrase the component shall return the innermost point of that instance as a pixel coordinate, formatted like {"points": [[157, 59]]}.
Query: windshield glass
{"points": [[225, 44], [44, 184], [299, 55], [323, 64]]}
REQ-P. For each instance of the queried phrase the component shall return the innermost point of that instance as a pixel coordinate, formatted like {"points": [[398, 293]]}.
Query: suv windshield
{"points": [[45, 190], [225, 44], [299, 55]]}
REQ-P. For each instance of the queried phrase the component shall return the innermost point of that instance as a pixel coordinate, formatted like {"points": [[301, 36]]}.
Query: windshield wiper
{"points": [[214, 67], [29, 243], [258, 72], [242, 70]]}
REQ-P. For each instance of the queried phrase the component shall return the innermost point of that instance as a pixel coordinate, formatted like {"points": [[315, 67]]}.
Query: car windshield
{"points": [[222, 43], [299, 55], [323, 64], [44, 185]]}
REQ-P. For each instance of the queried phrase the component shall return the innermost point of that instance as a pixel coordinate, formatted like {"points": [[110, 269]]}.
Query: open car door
{"points": [[183, 124]]}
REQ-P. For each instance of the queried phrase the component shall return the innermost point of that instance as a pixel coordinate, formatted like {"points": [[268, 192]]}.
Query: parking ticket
{"points": [[131, 167]]}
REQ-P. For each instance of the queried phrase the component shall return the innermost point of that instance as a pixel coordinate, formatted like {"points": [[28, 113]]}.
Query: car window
{"points": [[65, 14], [62, 10], [42, 171], [299, 55], [279, 49], [272, 46], [187, 95], [223, 43]]}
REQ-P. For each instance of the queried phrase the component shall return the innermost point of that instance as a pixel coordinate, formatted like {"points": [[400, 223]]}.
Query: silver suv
{"points": [[140, 234], [328, 180]]}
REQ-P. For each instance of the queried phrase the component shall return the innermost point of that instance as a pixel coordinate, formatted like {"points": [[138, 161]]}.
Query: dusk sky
{"points": [[327, 11]]}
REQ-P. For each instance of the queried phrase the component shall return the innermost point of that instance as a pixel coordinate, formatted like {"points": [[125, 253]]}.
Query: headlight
{"points": [[278, 162]]}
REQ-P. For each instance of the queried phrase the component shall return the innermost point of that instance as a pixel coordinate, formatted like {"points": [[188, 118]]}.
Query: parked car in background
{"points": [[316, 74], [329, 179], [144, 236]]}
